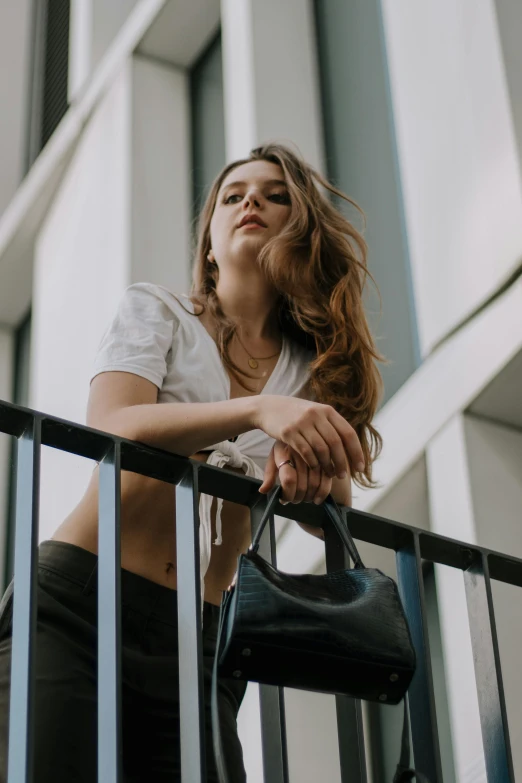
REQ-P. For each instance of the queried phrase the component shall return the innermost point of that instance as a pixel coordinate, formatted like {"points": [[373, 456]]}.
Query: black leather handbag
{"points": [[341, 633]]}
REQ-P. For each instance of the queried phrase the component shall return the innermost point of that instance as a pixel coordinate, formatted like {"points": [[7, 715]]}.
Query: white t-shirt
{"points": [[154, 337]]}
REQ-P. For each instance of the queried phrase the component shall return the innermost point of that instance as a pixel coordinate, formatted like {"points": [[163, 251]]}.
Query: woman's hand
{"points": [[318, 435], [299, 484]]}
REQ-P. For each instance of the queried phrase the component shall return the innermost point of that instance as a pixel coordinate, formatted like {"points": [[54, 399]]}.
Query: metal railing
{"points": [[34, 429]]}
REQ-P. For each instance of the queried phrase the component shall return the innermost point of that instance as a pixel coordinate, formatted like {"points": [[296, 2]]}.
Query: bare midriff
{"points": [[148, 532]]}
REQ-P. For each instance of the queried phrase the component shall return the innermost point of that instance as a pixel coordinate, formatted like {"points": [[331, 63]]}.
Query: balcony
{"points": [[412, 548]]}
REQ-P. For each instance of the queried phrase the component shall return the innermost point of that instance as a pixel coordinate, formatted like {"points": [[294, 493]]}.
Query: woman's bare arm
{"points": [[125, 404]]}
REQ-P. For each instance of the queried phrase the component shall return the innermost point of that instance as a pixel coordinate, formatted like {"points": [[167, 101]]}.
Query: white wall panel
{"points": [[81, 268], [458, 155], [161, 193], [495, 463], [80, 46], [270, 74]]}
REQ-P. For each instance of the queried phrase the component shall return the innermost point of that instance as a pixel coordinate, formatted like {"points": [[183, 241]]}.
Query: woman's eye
{"points": [[228, 198], [281, 198]]}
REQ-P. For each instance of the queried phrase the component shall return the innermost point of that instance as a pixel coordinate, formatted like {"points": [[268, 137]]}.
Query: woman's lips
{"points": [[251, 225]]}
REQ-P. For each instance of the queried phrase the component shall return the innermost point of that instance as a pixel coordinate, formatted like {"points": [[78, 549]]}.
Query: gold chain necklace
{"points": [[252, 362]]}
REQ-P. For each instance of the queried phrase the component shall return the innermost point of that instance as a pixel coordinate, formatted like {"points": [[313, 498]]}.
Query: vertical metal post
{"points": [[421, 697], [109, 618], [190, 655], [350, 730], [488, 673], [271, 697], [21, 717]]}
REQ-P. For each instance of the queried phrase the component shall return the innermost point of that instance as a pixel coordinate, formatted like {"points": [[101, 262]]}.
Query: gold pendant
{"points": [[253, 364]]}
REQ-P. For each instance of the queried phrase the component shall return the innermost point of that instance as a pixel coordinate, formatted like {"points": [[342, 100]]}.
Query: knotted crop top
{"points": [[153, 336]]}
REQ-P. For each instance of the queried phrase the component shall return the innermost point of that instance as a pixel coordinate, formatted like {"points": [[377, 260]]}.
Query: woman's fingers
{"points": [[300, 483], [325, 487], [301, 477], [291, 478], [329, 434], [314, 482], [312, 449], [270, 476], [349, 439], [335, 453]]}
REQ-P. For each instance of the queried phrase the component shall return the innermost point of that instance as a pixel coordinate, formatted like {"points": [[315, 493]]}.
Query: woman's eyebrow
{"points": [[268, 183]]}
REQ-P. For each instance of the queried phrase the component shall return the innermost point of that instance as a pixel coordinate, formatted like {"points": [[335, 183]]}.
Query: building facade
{"points": [[115, 119]]}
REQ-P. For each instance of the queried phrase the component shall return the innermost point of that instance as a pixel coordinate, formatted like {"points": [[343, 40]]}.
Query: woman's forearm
{"points": [[184, 427]]}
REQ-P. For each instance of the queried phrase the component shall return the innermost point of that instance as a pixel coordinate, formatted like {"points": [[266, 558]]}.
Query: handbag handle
{"points": [[333, 511]]}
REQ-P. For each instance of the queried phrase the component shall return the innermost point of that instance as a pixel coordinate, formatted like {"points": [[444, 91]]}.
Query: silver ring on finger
{"points": [[286, 462]]}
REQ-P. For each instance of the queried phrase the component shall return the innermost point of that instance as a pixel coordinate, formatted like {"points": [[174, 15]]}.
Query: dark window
{"points": [[56, 67], [50, 72], [208, 121]]}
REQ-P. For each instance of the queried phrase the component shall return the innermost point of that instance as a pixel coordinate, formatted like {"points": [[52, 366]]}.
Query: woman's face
{"points": [[252, 206]]}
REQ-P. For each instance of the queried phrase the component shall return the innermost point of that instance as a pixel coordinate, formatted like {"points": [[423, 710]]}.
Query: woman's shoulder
{"points": [[152, 295]]}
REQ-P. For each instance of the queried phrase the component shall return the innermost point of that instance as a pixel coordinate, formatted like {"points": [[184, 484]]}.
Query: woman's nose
{"points": [[252, 199]]}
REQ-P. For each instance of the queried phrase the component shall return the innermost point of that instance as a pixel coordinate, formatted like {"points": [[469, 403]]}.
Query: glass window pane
{"points": [[208, 120]]}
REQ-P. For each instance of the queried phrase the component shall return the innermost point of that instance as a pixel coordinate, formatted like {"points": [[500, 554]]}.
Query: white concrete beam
{"points": [[181, 32], [160, 183], [80, 46], [270, 77]]}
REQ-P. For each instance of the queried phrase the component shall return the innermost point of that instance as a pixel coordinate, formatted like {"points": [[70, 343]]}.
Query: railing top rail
{"points": [[163, 465]]}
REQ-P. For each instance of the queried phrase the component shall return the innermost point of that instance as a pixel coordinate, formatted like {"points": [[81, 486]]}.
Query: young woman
{"points": [[267, 368]]}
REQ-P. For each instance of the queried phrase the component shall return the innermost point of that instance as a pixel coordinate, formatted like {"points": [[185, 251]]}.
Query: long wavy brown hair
{"points": [[318, 263]]}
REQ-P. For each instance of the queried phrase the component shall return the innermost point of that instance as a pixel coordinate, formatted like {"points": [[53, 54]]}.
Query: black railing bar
{"points": [[488, 673], [140, 458], [94, 444], [421, 696], [158, 463], [273, 734], [190, 646], [14, 419], [109, 619], [21, 708], [167, 466], [504, 569], [271, 697], [136, 457], [434, 547], [350, 731]]}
